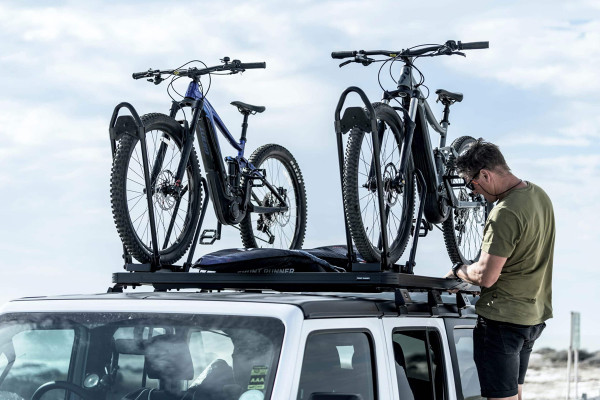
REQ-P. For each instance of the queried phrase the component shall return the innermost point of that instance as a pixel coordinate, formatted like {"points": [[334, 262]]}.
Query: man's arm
{"points": [[484, 272]]}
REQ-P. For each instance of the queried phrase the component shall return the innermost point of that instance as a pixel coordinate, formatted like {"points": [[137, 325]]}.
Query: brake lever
{"points": [[359, 58], [157, 79]]}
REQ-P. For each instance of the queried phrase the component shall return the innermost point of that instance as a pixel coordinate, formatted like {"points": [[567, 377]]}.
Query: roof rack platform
{"points": [[367, 282]]}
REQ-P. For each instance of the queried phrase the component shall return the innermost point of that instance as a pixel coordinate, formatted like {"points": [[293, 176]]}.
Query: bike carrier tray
{"points": [[364, 119], [132, 125]]}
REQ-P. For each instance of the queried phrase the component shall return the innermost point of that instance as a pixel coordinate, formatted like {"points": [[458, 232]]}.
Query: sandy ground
{"points": [[549, 382]]}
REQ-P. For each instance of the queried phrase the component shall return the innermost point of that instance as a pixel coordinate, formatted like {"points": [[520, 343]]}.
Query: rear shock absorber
{"points": [[233, 172]]}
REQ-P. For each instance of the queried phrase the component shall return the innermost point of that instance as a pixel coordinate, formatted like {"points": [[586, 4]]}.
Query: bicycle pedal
{"points": [[209, 236], [425, 228]]}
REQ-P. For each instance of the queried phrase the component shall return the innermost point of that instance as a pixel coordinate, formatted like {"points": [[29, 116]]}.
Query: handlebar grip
{"points": [[473, 45], [253, 65], [343, 54], [139, 75]]}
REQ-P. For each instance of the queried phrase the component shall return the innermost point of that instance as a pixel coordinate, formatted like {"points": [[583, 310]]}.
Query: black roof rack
{"points": [[368, 282]]}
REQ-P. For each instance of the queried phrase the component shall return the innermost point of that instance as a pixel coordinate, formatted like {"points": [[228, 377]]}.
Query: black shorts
{"points": [[501, 351]]}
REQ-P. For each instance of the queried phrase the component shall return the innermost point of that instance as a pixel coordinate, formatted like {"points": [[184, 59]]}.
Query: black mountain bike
{"points": [[402, 120], [158, 169]]}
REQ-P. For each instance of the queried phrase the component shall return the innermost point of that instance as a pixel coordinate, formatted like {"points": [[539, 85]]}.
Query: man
{"points": [[514, 270]]}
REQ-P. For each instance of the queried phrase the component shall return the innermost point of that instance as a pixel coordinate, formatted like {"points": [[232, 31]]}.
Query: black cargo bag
{"points": [[274, 261]]}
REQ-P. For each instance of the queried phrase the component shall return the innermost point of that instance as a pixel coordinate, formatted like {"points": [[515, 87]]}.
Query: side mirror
{"points": [[334, 396]]}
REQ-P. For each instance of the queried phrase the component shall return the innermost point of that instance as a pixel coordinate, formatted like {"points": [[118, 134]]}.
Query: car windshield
{"points": [[106, 356]]}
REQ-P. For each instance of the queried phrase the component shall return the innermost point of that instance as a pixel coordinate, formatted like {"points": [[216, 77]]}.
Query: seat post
{"points": [[445, 122], [446, 114], [244, 126]]}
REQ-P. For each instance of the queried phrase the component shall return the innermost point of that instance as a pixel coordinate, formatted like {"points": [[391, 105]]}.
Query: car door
{"points": [[420, 357], [460, 339], [343, 355]]}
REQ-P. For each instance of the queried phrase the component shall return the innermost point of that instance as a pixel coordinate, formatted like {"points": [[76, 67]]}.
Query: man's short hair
{"points": [[481, 155]]}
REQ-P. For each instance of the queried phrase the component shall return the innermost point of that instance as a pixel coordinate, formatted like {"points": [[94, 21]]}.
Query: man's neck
{"points": [[508, 184]]}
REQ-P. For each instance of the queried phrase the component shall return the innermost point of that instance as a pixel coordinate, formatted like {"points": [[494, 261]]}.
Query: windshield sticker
{"points": [[257, 378]]}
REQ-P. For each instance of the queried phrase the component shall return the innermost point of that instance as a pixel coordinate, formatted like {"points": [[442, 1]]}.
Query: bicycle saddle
{"points": [[243, 107], [444, 95]]}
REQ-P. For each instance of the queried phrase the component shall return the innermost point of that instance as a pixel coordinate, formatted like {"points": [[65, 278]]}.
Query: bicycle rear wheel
{"points": [[176, 205], [283, 230], [360, 188], [463, 229]]}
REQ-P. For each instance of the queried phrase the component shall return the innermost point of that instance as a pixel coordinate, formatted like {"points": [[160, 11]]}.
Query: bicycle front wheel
{"points": [[283, 230], [360, 188], [176, 204], [463, 229]]}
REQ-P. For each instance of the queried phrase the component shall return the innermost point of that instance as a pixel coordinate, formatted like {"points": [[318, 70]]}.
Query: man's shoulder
{"points": [[525, 198]]}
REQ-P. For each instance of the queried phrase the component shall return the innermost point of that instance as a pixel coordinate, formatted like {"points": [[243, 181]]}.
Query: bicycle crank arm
{"points": [[469, 204], [266, 210]]}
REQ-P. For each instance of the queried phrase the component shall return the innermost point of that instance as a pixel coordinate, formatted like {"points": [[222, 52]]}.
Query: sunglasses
{"points": [[469, 185]]}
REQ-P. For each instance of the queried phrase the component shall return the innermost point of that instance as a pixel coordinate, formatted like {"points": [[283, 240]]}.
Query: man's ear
{"points": [[485, 175]]}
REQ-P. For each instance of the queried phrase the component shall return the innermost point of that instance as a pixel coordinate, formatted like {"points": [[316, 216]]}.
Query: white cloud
{"points": [[537, 51]]}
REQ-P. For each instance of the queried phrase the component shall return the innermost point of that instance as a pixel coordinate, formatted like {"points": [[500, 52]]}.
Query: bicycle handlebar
{"points": [[234, 66], [445, 49], [473, 45], [343, 54], [253, 65], [140, 75]]}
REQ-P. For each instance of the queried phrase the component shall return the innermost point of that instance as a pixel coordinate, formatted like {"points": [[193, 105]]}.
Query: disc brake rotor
{"points": [[391, 192], [165, 190]]}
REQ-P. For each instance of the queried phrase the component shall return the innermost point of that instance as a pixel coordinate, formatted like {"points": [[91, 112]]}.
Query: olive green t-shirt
{"points": [[521, 228]]}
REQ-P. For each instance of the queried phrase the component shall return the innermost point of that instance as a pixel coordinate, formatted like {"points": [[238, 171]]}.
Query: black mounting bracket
{"points": [[363, 118], [132, 125], [402, 298]]}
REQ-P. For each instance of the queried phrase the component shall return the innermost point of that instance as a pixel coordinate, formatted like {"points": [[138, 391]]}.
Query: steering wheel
{"points": [[46, 387]]}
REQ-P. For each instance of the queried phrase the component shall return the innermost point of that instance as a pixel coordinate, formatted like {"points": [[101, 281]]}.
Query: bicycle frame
{"points": [[205, 121], [418, 143]]}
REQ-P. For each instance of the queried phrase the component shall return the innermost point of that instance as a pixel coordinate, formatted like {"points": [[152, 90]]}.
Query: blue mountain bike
{"points": [[263, 195]]}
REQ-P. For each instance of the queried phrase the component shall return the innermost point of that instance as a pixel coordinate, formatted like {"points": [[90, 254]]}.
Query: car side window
{"points": [[43, 354], [419, 364], [338, 362], [463, 342]]}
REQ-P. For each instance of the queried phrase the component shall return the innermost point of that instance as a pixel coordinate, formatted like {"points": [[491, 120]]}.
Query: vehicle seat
{"points": [[169, 360], [321, 370], [404, 388], [213, 382]]}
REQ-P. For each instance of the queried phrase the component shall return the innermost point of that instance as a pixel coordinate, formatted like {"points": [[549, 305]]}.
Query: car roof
{"points": [[313, 305]]}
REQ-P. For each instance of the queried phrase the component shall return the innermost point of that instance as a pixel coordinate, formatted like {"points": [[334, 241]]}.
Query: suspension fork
{"points": [[188, 143], [410, 130], [371, 176]]}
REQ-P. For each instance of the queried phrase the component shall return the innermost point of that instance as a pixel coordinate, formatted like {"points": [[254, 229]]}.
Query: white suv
{"points": [[225, 345]]}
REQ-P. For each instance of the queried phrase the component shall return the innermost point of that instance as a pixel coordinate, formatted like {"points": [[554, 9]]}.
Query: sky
{"points": [[65, 65]]}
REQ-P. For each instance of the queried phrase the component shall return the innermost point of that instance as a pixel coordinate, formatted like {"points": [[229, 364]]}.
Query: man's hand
{"points": [[450, 275]]}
